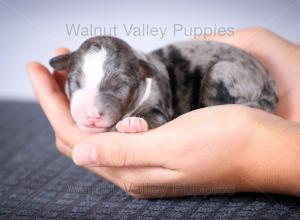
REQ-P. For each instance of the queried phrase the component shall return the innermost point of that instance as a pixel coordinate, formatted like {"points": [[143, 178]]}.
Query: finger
{"points": [[121, 150], [54, 103], [127, 178], [61, 51], [60, 76], [143, 182], [109, 174], [241, 38], [144, 175], [63, 148]]}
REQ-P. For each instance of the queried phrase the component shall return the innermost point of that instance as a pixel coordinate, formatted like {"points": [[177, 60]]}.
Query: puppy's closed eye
{"points": [[74, 82]]}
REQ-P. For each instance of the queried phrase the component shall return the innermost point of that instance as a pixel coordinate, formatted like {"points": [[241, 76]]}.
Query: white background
{"points": [[30, 30]]}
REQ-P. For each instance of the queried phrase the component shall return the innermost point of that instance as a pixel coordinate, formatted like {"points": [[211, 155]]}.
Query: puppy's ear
{"points": [[145, 67], [148, 70], [60, 62]]}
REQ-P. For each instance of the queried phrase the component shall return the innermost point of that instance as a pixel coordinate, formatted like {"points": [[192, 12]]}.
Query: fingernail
{"points": [[84, 154]]}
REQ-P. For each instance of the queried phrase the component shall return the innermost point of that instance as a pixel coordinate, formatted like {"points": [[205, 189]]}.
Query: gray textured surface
{"points": [[36, 181]]}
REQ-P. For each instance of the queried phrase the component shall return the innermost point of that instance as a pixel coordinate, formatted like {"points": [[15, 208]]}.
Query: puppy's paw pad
{"points": [[132, 125]]}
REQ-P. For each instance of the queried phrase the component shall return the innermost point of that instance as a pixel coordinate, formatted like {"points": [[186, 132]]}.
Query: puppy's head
{"points": [[105, 76]]}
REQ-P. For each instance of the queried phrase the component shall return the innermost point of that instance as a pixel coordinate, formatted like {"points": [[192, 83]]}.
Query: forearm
{"points": [[271, 163]]}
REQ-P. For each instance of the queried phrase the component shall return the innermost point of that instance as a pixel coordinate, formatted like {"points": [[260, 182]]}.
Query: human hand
{"points": [[200, 152], [151, 159]]}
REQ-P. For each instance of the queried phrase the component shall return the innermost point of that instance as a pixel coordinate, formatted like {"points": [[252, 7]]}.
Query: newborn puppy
{"points": [[111, 86]]}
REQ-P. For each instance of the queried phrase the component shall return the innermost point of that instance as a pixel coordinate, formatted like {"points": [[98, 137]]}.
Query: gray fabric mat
{"points": [[37, 182]]}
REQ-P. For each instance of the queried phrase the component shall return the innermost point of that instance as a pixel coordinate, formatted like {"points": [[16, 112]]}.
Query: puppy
{"points": [[111, 86]]}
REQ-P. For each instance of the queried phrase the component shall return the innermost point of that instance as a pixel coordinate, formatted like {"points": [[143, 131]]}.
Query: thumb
{"points": [[114, 149]]}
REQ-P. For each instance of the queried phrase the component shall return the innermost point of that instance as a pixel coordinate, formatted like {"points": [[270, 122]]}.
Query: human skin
{"points": [[227, 148]]}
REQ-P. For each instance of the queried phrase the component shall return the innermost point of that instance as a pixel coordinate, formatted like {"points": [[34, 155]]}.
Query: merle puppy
{"points": [[112, 86]]}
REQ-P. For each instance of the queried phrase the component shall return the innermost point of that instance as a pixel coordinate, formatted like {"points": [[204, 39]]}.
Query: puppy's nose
{"points": [[92, 114]]}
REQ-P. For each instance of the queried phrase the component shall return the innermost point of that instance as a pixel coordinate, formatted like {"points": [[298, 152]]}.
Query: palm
{"points": [[287, 76], [289, 105]]}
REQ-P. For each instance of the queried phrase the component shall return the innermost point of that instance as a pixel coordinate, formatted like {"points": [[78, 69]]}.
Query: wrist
{"points": [[270, 163]]}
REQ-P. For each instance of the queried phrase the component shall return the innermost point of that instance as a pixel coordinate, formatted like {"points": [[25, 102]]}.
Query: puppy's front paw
{"points": [[132, 125]]}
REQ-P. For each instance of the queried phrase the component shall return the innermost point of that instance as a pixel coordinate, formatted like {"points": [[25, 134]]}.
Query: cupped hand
{"points": [[189, 155], [197, 153], [200, 152]]}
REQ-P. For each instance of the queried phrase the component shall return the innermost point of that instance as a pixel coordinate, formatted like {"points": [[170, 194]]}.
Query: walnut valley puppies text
{"points": [[147, 30]]}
